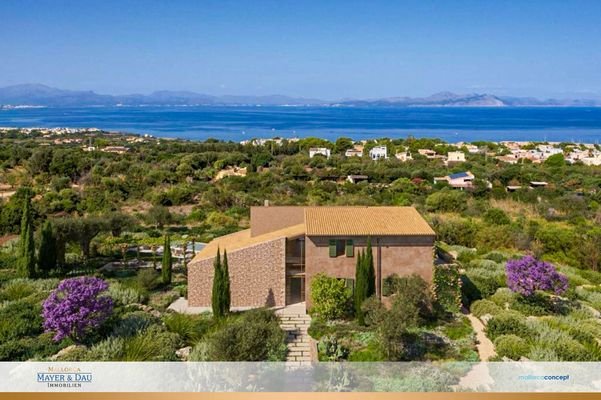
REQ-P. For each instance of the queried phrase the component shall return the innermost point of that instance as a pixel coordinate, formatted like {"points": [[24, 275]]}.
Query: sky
{"points": [[321, 49]]}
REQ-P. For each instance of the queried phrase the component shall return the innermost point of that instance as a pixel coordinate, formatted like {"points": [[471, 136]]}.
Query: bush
{"points": [[330, 297], [318, 328], [255, 336], [191, 328], [511, 346], [413, 293], [76, 307], [496, 216], [19, 319], [331, 349], [483, 307], [153, 344], [133, 323], [447, 287], [456, 232], [507, 323], [148, 279], [110, 349], [447, 201], [503, 297], [26, 348], [373, 311], [478, 283], [124, 295]]}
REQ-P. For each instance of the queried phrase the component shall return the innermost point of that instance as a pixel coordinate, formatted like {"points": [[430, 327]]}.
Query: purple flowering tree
{"points": [[527, 274], [75, 307]]}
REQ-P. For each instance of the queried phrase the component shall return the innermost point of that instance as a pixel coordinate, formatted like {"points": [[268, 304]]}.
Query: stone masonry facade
{"points": [[257, 276]]}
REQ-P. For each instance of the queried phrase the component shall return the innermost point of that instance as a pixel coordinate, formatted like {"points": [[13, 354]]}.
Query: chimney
{"points": [[266, 203]]}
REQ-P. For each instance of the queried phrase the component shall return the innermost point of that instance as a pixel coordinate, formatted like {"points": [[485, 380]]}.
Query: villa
{"points": [[455, 157], [313, 151], [460, 180], [273, 262], [378, 153]]}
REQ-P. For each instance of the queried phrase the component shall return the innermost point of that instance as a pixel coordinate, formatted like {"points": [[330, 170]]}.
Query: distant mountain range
{"points": [[41, 95]]}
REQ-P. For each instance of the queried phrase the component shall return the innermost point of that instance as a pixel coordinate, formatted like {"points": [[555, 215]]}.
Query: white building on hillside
{"points": [[378, 153], [313, 151]]}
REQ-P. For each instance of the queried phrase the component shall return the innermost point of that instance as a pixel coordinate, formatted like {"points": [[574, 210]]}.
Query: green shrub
{"points": [[542, 353], [26, 348], [330, 297], [507, 323], [458, 329], [447, 201], [110, 349], [373, 311], [422, 378], [483, 307], [504, 297], [20, 318], [496, 216], [148, 279], [511, 346], [255, 336], [496, 256], [478, 283], [191, 328], [16, 290], [330, 349], [318, 328], [124, 295], [132, 323], [447, 287], [153, 344]]}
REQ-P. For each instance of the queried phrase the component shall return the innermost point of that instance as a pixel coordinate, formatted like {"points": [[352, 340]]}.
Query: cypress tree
{"points": [[226, 296], [26, 264], [360, 286], [47, 254], [167, 263], [217, 287], [370, 272]]}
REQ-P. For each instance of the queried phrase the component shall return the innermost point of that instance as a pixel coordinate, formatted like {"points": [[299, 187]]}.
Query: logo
{"points": [[64, 377]]}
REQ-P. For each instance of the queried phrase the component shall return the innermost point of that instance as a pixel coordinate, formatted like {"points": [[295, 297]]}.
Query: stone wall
{"points": [[257, 276]]}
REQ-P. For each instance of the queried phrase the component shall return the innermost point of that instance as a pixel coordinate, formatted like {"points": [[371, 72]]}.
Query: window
{"points": [[338, 247], [350, 248]]}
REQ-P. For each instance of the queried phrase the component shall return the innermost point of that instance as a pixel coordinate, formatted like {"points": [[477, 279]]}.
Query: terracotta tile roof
{"points": [[242, 239], [361, 221]]}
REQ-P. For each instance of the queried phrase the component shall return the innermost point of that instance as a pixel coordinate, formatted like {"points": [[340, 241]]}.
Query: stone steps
{"points": [[297, 338]]}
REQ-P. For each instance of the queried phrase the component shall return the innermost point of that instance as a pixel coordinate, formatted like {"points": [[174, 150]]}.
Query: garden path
{"points": [[486, 349], [295, 322]]}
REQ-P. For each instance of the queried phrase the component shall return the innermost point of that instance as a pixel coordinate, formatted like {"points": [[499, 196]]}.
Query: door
{"points": [[296, 289]]}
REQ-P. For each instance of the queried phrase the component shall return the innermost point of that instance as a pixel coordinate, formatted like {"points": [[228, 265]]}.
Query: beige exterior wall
{"points": [[273, 218], [257, 276], [403, 255]]}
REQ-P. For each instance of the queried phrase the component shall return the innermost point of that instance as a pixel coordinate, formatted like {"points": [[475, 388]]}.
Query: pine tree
{"points": [[26, 263], [217, 287], [369, 266], [225, 296], [47, 254], [167, 263]]}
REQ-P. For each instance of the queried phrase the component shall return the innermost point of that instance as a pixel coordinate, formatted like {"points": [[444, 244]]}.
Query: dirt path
{"points": [[486, 348]]}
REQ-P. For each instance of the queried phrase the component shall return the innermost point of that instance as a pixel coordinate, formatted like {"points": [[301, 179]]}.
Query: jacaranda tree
{"points": [[527, 275], [76, 307]]}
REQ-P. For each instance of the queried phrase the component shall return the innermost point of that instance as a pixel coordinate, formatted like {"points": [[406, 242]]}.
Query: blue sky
{"points": [[325, 49]]}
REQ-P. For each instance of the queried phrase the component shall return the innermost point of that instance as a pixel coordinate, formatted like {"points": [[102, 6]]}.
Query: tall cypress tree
{"points": [[369, 266], [360, 286], [225, 296], [167, 263], [217, 287], [26, 264], [47, 254]]}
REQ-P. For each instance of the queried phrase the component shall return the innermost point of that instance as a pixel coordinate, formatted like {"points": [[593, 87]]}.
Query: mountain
{"points": [[41, 95]]}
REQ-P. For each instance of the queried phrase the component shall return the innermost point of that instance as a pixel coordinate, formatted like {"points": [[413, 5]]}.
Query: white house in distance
{"points": [[404, 156], [313, 151], [460, 180], [378, 153], [455, 156]]}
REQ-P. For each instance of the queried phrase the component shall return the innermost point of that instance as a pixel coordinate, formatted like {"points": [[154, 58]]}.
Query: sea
{"points": [[452, 124]]}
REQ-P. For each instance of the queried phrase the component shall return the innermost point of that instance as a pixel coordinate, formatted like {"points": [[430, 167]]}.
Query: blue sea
{"points": [[240, 123]]}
